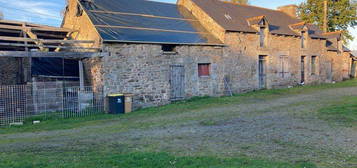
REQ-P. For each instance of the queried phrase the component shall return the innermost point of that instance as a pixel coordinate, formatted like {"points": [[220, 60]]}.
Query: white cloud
{"points": [[353, 44], [41, 9]]}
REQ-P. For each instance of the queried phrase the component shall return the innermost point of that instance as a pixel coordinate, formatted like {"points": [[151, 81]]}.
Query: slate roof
{"points": [[279, 22], [145, 21]]}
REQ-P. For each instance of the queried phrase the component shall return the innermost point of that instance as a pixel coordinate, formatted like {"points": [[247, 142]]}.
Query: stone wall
{"points": [[246, 49], [11, 72], [85, 30], [144, 70], [341, 65]]}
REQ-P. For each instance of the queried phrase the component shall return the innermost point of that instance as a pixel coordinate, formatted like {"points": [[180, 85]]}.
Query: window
{"points": [[79, 11], [284, 66], [262, 36], [168, 48], [303, 40], [313, 65], [203, 70]]}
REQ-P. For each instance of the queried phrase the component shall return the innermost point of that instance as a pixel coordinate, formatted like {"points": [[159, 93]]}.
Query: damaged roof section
{"points": [[278, 21], [145, 21], [22, 36]]}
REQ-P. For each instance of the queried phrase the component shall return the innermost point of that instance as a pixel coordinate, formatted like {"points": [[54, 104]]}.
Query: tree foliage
{"points": [[239, 1], [341, 14]]}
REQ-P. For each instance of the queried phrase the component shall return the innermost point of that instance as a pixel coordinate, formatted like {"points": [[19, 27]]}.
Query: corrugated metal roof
{"points": [[145, 21], [279, 22]]}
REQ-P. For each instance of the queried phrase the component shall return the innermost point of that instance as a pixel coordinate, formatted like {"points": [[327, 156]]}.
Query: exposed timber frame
{"points": [[73, 55], [26, 36]]}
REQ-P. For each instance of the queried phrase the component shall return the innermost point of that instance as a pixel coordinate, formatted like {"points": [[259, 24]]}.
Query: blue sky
{"points": [[48, 12]]}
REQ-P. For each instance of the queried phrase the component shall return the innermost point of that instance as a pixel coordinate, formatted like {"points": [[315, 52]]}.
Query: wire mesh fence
{"points": [[48, 101]]}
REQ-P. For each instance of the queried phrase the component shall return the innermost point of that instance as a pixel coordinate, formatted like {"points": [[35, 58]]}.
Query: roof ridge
{"points": [[299, 23], [160, 2], [235, 3], [335, 32], [273, 10], [256, 17]]}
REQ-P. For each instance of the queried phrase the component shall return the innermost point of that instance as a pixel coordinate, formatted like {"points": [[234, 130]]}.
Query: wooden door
{"points": [[330, 71], [262, 72], [303, 69], [177, 82], [353, 69]]}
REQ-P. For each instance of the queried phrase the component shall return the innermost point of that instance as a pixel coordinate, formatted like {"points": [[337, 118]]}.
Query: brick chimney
{"points": [[1, 16], [291, 10]]}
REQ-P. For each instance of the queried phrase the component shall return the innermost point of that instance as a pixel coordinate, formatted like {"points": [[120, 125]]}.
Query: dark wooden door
{"points": [[177, 82], [353, 69], [262, 72], [303, 69]]}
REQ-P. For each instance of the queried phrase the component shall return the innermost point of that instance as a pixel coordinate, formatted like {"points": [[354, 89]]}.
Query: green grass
{"points": [[344, 112], [195, 103], [79, 154], [135, 160]]}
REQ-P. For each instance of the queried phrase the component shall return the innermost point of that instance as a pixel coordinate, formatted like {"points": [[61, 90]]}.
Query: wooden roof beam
{"points": [[67, 36], [24, 54], [48, 46], [34, 37], [53, 29], [49, 41]]}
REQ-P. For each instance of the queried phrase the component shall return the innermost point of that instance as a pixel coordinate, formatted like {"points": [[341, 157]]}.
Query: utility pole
{"points": [[325, 16]]}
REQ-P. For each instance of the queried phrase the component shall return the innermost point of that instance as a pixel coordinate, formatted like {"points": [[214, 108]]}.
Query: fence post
{"points": [[63, 99], [34, 95], [13, 104]]}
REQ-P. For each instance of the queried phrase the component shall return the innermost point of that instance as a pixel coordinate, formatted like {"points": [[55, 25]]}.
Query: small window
{"points": [[262, 36], [284, 66], [204, 70], [303, 40], [168, 48], [313, 65]]}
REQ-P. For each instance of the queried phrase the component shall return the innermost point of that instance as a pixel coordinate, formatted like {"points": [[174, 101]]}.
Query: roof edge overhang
{"points": [[332, 50], [160, 43]]}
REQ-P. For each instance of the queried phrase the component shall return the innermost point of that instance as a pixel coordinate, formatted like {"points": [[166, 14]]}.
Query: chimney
{"points": [[291, 10], [1, 16]]}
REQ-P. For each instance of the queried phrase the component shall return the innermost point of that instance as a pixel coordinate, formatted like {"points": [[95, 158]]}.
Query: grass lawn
{"points": [[131, 160], [161, 137], [344, 112], [177, 107]]}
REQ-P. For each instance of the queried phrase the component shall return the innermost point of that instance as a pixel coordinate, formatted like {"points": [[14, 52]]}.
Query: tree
{"points": [[239, 1], [341, 15]]}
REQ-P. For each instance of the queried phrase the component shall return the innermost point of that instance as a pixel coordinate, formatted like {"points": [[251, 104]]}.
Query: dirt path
{"points": [[283, 128]]}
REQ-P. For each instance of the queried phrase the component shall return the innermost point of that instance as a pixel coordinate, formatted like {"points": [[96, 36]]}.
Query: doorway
{"points": [[262, 72], [303, 69], [177, 82]]}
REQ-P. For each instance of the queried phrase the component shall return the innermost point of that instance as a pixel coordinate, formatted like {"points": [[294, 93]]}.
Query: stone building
{"points": [[164, 52]]}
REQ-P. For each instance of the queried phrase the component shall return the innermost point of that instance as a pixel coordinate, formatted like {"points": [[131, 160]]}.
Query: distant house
{"points": [[164, 52]]}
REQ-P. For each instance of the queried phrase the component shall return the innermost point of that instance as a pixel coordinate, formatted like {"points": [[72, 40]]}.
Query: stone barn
{"points": [[164, 52]]}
